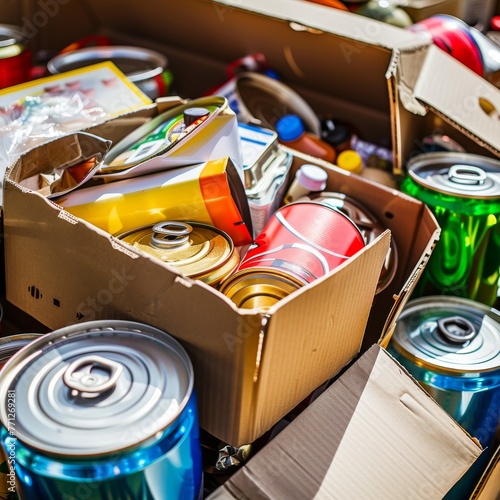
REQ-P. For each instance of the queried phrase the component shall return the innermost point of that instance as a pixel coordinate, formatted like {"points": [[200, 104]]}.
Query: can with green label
{"points": [[463, 191]]}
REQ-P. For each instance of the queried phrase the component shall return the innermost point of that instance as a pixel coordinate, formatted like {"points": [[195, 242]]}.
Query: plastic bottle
{"points": [[292, 133], [308, 179], [352, 161]]}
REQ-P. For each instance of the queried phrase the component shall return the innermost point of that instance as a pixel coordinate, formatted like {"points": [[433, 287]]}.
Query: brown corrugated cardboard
{"points": [[467, 111], [422, 9], [363, 77], [373, 434], [488, 487], [255, 367]]}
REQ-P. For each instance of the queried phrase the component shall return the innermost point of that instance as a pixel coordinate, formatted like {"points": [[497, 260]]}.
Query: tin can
{"points": [[463, 191], [15, 57], [197, 250], [144, 67], [463, 42], [262, 100], [266, 170], [12, 343], [8, 347], [451, 346], [105, 409], [301, 242], [367, 223]]}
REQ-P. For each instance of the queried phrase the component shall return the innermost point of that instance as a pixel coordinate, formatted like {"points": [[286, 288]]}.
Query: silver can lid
{"points": [[460, 174], [96, 388], [449, 334], [10, 35]]}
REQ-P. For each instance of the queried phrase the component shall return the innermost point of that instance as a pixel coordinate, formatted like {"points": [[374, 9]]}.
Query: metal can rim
{"points": [[28, 353], [213, 275], [416, 305], [420, 161], [104, 53]]}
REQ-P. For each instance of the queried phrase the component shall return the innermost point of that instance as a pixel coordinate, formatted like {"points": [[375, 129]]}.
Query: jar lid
{"points": [[312, 177], [350, 160]]}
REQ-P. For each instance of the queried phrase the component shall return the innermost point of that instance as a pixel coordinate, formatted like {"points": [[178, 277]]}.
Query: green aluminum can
{"points": [[463, 192]]}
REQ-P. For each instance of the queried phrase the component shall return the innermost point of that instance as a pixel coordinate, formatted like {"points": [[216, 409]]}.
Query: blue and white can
{"points": [[100, 410], [451, 346]]}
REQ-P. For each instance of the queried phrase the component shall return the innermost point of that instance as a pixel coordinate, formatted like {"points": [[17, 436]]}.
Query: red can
{"points": [[301, 242], [15, 58]]}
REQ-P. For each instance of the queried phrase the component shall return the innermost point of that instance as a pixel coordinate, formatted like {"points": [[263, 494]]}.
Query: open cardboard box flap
{"points": [[430, 80], [375, 433]]}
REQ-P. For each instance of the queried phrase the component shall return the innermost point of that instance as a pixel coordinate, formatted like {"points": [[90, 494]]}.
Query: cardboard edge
{"points": [[479, 88], [402, 298], [319, 19]]}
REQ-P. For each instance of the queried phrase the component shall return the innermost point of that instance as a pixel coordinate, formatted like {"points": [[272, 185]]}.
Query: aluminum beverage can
{"points": [[463, 191], [451, 346], [197, 250], [301, 242], [105, 409]]}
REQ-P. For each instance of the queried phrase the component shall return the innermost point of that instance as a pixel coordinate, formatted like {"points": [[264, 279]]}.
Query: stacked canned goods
{"points": [[197, 250], [300, 243]]}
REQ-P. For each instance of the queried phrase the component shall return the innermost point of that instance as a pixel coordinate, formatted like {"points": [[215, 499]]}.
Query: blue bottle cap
{"points": [[289, 127]]}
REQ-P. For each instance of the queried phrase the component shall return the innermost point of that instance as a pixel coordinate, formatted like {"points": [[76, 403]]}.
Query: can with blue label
{"points": [[100, 410], [451, 346]]}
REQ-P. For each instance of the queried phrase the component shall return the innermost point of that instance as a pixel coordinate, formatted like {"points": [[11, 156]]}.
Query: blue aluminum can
{"points": [[102, 410], [451, 346]]}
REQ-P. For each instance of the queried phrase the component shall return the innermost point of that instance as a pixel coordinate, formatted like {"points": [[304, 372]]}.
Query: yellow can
{"points": [[199, 251], [259, 288]]}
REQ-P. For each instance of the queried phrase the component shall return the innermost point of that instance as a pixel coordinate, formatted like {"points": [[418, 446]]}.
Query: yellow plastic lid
{"points": [[350, 160]]}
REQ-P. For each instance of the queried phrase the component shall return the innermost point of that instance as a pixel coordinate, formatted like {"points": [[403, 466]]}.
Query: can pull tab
{"points": [[456, 329], [467, 174], [170, 234], [80, 376]]}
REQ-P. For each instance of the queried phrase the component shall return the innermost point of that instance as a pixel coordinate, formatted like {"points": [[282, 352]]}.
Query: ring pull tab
{"points": [[80, 377], [467, 174], [170, 234], [456, 329]]}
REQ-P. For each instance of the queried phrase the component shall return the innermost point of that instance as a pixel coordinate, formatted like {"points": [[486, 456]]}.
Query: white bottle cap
{"points": [[312, 177], [309, 178]]}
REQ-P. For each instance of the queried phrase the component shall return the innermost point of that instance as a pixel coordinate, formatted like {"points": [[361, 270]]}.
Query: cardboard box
{"points": [[368, 68], [466, 111], [419, 10], [374, 433], [61, 270], [252, 367]]}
